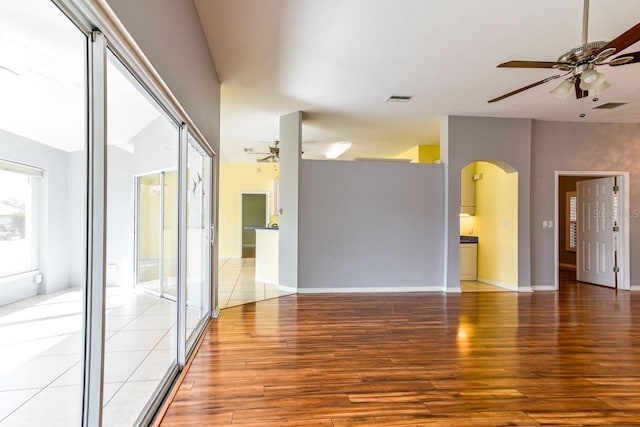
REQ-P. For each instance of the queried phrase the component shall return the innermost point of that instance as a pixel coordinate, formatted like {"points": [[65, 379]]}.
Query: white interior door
{"points": [[596, 221]]}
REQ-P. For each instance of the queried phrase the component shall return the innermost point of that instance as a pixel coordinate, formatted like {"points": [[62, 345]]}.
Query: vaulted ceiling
{"points": [[338, 61]]}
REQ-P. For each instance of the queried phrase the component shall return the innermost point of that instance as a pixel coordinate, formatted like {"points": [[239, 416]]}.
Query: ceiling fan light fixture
{"points": [[563, 89], [588, 77], [592, 80]]}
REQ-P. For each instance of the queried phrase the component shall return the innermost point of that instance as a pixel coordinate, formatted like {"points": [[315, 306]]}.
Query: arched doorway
{"points": [[488, 227]]}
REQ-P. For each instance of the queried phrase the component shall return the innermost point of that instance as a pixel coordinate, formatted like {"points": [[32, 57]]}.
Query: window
{"points": [[18, 207], [571, 241]]}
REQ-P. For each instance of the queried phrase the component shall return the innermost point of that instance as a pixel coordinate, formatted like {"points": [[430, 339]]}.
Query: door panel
{"points": [[595, 231], [198, 237]]}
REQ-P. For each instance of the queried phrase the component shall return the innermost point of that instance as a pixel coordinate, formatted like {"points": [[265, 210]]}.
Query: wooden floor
{"points": [[474, 359]]}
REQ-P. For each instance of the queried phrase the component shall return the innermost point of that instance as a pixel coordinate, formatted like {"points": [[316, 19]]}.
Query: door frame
{"points": [[267, 212], [624, 262]]}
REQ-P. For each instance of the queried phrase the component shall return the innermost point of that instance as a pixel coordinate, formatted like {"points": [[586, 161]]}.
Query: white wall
{"points": [[155, 149], [290, 143], [57, 239], [370, 225]]}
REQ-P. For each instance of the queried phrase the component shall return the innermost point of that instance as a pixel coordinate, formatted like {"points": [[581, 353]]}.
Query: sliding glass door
{"points": [[43, 214], [199, 237], [105, 226]]}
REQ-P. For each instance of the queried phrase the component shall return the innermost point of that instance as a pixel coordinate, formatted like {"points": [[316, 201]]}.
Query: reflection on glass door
{"points": [[198, 235], [157, 233]]}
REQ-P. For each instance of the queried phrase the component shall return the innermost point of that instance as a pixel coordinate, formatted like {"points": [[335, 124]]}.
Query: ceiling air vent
{"points": [[248, 150], [398, 98], [609, 105]]}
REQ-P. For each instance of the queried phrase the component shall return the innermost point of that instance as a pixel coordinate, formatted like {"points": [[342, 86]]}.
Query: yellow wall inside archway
{"points": [[496, 224]]}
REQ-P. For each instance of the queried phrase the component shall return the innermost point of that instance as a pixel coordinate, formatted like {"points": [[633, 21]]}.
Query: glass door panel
{"points": [[170, 235], [43, 216], [141, 332], [198, 232], [149, 223]]}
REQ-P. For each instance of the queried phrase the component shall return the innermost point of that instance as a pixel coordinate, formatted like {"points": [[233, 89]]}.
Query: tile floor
{"points": [[237, 285], [40, 356]]}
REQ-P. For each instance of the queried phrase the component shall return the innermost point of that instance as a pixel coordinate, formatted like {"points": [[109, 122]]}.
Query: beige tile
{"points": [[59, 406], [134, 340], [127, 403], [154, 366], [12, 400]]}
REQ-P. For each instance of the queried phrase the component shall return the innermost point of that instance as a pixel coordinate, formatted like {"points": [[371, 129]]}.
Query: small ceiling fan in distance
{"points": [[579, 65], [272, 156]]}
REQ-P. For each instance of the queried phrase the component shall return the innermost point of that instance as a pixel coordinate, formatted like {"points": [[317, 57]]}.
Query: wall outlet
{"points": [[550, 223], [545, 224]]}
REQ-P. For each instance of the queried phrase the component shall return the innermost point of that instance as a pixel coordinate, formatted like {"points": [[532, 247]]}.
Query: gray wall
{"points": [[561, 146], [171, 37], [290, 143], [370, 225], [505, 142]]}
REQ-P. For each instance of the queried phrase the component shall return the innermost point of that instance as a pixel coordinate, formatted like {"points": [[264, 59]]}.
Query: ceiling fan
{"points": [[580, 64], [272, 156]]}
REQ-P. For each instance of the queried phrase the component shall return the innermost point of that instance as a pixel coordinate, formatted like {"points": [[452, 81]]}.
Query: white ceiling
{"points": [[338, 60], [43, 97]]}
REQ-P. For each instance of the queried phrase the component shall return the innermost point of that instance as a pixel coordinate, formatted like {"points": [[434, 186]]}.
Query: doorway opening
{"points": [[591, 242], [489, 227], [255, 214]]}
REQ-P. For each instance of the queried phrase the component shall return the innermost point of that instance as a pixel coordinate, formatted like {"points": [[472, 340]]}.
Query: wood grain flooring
{"points": [[419, 359]]}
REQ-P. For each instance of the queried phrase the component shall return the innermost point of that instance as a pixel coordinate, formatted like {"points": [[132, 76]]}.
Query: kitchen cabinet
{"points": [[468, 261], [468, 190]]}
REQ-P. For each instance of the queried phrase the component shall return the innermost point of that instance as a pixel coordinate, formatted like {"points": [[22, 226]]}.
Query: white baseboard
{"points": [[260, 281], [454, 290], [381, 289], [537, 288], [567, 266], [499, 284], [635, 288], [287, 289]]}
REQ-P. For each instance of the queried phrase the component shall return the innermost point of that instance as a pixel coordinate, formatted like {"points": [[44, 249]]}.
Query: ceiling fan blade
{"points": [[625, 39], [522, 89], [622, 59], [529, 64], [579, 92]]}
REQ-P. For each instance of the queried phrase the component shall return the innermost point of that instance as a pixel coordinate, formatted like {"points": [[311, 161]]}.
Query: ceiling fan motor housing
{"points": [[580, 55]]}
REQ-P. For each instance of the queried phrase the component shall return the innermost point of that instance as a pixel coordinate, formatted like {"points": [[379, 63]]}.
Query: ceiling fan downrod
{"points": [[585, 23]]}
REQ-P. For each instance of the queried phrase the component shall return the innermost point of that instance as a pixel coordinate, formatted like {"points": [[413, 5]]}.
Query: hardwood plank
{"points": [[482, 359]]}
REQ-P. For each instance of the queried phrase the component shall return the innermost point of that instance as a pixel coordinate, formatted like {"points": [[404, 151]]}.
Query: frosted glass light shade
{"points": [[563, 89], [591, 81]]}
